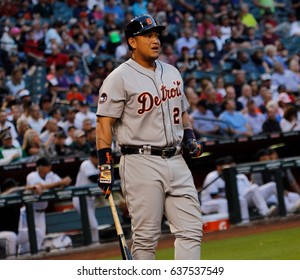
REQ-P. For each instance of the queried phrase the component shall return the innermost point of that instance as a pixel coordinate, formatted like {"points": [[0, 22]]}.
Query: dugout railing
{"points": [[27, 198], [273, 166]]}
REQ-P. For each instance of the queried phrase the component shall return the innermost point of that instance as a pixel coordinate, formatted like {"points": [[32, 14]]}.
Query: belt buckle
{"points": [[141, 151], [166, 153], [163, 153]]}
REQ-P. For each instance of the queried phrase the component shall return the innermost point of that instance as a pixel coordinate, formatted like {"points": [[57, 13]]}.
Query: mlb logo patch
{"points": [[103, 97]]}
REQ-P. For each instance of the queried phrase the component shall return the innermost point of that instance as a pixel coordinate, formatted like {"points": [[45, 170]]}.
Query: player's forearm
{"points": [[186, 121], [104, 133]]}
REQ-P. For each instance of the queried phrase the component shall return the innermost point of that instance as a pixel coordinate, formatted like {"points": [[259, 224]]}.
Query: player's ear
{"points": [[132, 42]]}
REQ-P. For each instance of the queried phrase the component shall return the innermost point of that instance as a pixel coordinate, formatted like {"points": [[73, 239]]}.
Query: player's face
{"points": [[147, 46]]}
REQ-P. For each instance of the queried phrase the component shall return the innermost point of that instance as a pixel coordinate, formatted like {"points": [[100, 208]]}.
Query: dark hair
{"points": [[224, 160], [43, 162]]}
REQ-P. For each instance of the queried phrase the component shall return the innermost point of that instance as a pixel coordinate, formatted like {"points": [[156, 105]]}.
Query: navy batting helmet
{"points": [[142, 24]]}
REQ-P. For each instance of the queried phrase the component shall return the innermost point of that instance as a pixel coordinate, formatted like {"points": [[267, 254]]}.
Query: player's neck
{"points": [[149, 64]]}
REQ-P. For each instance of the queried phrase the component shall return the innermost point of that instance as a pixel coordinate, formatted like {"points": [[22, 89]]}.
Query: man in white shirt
{"points": [[87, 175]]}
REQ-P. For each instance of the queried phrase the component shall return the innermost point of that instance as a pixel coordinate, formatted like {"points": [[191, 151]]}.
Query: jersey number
{"points": [[176, 112]]}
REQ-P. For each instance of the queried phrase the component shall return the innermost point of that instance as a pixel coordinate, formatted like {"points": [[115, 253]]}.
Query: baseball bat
{"points": [[126, 255]]}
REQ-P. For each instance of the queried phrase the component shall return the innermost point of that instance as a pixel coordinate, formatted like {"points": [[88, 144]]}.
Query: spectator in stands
{"points": [[112, 31], [231, 95], [202, 63], [294, 25], [251, 39], [168, 55], [72, 75], [211, 54], [57, 57], [47, 179], [246, 95], [239, 81], [220, 85], [10, 217], [91, 137], [44, 9], [32, 146], [282, 76], [49, 130], [234, 123], [243, 63], [284, 101], [8, 152], [58, 146], [271, 56], [271, 124], [204, 121], [22, 126], [5, 124], [52, 36], [88, 175], [74, 93], [185, 63], [296, 8], [254, 117], [8, 43], [16, 82], [269, 37], [84, 113], [186, 40], [69, 118], [70, 135], [247, 17], [81, 45], [290, 121], [261, 66], [192, 98], [291, 199], [265, 6], [98, 42], [35, 118], [250, 195], [112, 8], [80, 144]]}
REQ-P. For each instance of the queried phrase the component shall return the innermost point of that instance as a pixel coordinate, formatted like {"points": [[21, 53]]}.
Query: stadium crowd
{"points": [[239, 60]]}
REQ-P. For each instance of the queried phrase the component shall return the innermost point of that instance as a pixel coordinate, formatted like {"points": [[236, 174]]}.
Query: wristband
{"points": [[188, 134], [104, 156]]}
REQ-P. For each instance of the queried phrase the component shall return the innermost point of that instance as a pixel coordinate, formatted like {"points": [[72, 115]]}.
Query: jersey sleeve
{"points": [[112, 96]]}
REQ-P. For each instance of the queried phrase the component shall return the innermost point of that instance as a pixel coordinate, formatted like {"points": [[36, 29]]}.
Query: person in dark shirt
{"points": [[271, 124]]}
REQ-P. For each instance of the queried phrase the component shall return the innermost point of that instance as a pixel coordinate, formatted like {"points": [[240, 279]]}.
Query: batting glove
{"points": [[193, 146], [106, 176]]}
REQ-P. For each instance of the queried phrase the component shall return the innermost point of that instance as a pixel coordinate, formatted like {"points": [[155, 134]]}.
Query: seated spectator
{"points": [[80, 144], [271, 124], [22, 126], [58, 146], [49, 131], [32, 146], [263, 98], [269, 37], [246, 95], [248, 18], [233, 122], [251, 39], [187, 41], [271, 56], [35, 118], [86, 91], [257, 58], [8, 152], [231, 95], [185, 63], [74, 93], [16, 82], [254, 117], [243, 63], [168, 55], [84, 113], [284, 101], [294, 25], [56, 57], [206, 24], [290, 121], [69, 118], [204, 121], [70, 135], [81, 45], [283, 76], [5, 124], [91, 137]]}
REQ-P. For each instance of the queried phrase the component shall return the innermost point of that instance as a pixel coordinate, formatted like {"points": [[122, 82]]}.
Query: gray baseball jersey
{"points": [[140, 120]]}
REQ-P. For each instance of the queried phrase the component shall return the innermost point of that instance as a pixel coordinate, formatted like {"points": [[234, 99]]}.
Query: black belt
{"points": [[40, 210], [165, 152]]}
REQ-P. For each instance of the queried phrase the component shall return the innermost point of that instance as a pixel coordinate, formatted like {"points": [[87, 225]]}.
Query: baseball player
{"points": [[143, 105], [250, 195], [88, 174], [47, 179]]}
